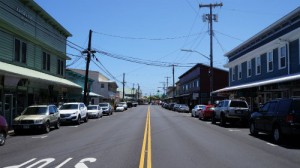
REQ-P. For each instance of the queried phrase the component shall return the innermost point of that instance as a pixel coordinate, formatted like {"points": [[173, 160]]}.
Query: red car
{"points": [[206, 113], [3, 130]]}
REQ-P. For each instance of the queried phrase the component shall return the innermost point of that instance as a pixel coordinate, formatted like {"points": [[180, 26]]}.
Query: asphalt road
{"points": [[175, 140]]}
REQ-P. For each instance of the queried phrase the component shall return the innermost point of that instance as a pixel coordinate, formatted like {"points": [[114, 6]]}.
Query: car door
{"points": [[270, 116], [259, 116], [52, 114]]}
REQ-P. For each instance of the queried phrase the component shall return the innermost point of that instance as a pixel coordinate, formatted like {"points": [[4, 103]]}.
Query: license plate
{"points": [[238, 112], [26, 126]]}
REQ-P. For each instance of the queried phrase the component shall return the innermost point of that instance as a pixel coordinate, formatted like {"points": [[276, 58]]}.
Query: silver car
{"points": [[94, 111], [37, 117]]}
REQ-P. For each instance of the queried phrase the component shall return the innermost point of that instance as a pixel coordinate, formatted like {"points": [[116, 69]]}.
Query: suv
{"points": [[230, 111], [278, 118], [3, 130], [107, 108], [40, 117], [73, 112]]}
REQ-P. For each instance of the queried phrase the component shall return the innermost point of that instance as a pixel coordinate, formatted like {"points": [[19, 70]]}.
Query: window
{"points": [[282, 57], [258, 65], [46, 61], [240, 71], [102, 85], [233, 73], [60, 67], [270, 61], [20, 51], [249, 68]]}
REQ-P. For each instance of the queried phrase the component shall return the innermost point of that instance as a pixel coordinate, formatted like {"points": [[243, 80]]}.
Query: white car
{"points": [[73, 112], [197, 109], [94, 111], [124, 105], [120, 107]]}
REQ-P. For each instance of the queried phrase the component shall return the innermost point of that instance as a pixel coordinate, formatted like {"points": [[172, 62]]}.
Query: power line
{"points": [[145, 38], [229, 36]]}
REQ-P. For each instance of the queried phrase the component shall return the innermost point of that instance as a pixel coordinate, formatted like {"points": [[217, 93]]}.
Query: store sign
{"points": [[24, 14]]}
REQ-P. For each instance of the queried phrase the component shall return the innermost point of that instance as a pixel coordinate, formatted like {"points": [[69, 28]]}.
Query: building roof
{"points": [[261, 83], [267, 32], [49, 19], [199, 65], [35, 75]]}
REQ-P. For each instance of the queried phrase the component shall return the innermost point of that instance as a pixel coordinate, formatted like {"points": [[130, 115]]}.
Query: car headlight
{"points": [[16, 122], [38, 121], [75, 113]]}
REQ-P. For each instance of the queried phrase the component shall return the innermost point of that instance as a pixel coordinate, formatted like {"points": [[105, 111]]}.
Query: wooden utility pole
{"points": [[88, 59], [210, 17], [123, 86]]}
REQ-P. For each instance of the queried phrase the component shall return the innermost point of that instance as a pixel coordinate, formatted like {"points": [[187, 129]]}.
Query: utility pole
{"points": [[167, 82], [138, 92], [210, 17], [123, 86], [88, 59], [173, 81]]}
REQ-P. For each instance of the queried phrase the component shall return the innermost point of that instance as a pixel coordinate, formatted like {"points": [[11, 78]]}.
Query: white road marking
{"points": [[271, 144], [234, 130], [42, 137]]}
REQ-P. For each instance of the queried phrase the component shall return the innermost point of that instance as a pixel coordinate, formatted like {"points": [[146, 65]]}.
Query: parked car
{"points": [[129, 104], [94, 111], [171, 105], [231, 111], [279, 118], [107, 108], [207, 112], [124, 105], [175, 107], [196, 110], [135, 104], [119, 107], [183, 108], [73, 112], [3, 130], [37, 117]]}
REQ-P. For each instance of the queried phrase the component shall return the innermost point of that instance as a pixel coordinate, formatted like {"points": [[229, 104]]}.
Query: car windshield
{"points": [[69, 107], [238, 104], [92, 107], [201, 107], [103, 105], [35, 111]]}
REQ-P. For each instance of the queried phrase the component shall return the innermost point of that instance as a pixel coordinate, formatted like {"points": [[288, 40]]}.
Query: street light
{"points": [[211, 74], [188, 50]]}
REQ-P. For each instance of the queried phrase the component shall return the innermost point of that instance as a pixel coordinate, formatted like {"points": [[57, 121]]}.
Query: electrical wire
{"points": [[144, 38]]}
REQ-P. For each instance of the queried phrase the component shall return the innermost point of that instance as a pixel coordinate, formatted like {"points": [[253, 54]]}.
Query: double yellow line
{"points": [[147, 138]]}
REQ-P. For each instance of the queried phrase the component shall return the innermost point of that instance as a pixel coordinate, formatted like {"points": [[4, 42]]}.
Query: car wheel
{"points": [[277, 135], [253, 131], [86, 119], [213, 119], [2, 138], [222, 120], [78, 122], [57, 126], [47, 127], [16, 132]]}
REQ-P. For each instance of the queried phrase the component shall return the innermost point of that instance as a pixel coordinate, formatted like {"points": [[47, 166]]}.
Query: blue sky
{"points": [[157, 30]]}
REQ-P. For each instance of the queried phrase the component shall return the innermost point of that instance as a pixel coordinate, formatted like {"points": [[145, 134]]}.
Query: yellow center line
{"points": [[147, 133]]}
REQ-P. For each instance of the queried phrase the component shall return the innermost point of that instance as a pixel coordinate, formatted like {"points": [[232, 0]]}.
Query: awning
{"points": [[260, 83], [35, 75], [92, 94]]}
